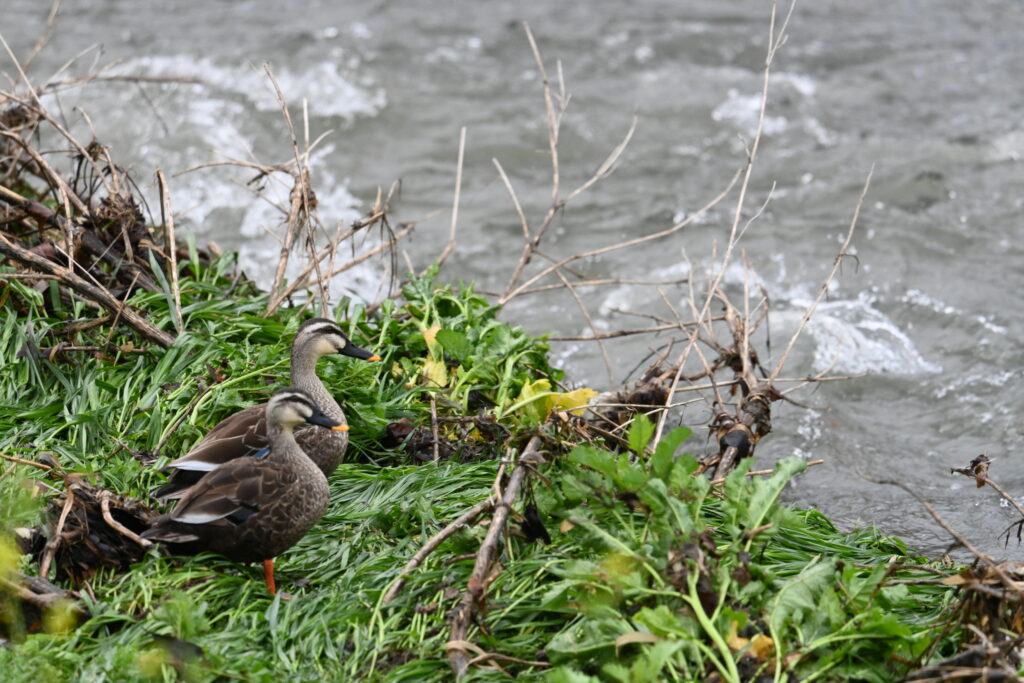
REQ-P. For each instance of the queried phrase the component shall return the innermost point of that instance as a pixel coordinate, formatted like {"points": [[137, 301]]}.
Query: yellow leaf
{"points": [[566, 526], [433, 346], [531, 396], [571, 401], [733, 640], [762, 647], [436, 372]]}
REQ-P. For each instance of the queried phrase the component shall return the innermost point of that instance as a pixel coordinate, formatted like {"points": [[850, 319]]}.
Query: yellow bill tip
{"points": [[374, 357], [340, 428]]}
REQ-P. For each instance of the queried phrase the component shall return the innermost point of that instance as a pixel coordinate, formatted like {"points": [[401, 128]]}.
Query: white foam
{"points": [[328, 91], [852, 337], [919, 298], [805, 85], [742, 111]]}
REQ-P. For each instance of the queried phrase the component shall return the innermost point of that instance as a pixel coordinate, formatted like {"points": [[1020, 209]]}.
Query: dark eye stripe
{"points": [[294, 397], [325, 328]]}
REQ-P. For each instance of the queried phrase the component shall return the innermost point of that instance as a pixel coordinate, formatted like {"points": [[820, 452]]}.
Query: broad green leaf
{"points": [[661, 621], [455, 344], [640, 433], [665, 451], [647, 668]]}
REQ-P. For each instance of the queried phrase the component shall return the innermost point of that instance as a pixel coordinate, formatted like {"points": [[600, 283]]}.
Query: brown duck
{"points": [[251, 509], [245, 432]]}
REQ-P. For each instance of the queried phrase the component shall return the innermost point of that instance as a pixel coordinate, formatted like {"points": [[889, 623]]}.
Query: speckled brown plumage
{"points": [[245, 432]]}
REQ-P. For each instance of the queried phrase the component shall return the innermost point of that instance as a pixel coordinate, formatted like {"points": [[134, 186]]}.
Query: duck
{"points": [[253, 508], [245, 433]]}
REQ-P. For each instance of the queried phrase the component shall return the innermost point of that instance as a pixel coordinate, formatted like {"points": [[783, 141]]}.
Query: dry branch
{"points": [[475, 596], [432, 545], [88, 290], [172, 247]]}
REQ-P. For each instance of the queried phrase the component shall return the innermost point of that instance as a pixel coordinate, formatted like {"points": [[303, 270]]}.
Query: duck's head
{"points": [[322, 337], [291, 407]]}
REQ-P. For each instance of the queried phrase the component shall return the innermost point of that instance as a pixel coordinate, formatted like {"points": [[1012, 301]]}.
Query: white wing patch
{"points": [[198, 517], [196, 466]]}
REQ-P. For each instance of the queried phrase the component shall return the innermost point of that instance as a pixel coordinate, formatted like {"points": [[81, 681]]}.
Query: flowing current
{"points": [[928, 94]]}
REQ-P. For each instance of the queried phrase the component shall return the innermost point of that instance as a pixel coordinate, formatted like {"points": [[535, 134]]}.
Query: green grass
{"points": [[651, 575]]}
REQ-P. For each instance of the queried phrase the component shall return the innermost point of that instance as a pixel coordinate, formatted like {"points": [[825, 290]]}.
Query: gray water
{"points": [[928, 93]]}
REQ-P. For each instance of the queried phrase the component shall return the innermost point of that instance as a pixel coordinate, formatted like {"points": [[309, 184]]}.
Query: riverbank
{"points": [[652, 572]]}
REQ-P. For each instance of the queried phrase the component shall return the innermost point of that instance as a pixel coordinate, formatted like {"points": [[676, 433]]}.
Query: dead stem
{"points": [[985, 559], [22, 461], [474, 598], [775, 41], [823, 290], [117, 526], [86, 289], [554, 121], [432, 545], [590, 322], [759, 473], [55, 540], [450, 246], [171, 247], [44, 37]]}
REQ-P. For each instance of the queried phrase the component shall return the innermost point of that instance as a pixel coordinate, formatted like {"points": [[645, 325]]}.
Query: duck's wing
{"points": [[232, 493], [242, 434]]}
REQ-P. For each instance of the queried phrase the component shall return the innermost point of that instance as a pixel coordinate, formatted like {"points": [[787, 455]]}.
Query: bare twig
{"points": [[598, 336], [55, 540], [172, 247], [117, 526], [86, 289], [775, 41], [758, 473], [474, 597], [823, 290], [554, 121], [508, 296], [448, 248], [986, 559], [51, 22], [434, 430], [435, 542], [602, 281], [301, 206], [22, 461], [590, 322]]}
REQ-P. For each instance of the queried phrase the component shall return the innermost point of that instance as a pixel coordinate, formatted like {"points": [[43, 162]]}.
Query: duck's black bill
{"points": [[356, 352], [321, 420]]}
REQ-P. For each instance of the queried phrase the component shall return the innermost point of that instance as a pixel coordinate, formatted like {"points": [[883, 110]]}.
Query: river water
{"points": [[929, 94]]}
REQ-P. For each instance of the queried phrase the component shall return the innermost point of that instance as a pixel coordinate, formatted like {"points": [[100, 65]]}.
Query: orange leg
{"points": [[268, 574]]}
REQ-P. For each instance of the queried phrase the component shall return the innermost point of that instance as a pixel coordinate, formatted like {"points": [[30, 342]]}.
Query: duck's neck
{"points": [[304, 377], [285, 451], [282, 440]]}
